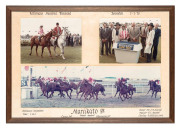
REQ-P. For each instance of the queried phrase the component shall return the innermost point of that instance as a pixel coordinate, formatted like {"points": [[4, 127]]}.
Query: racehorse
{"points": [[122, 89], [150, 83], [48, 87], [98, 88], [157, 88], [61, 42], [131, 89], [45, 42], [65, 87], [85, 88]]}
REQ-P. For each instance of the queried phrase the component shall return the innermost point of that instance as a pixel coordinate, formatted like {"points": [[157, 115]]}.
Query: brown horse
{"points": [[86, 89], [45, 42], [122, 89], [156, 89], [131, 89], [65, 87], [150, 83], [98, 88], [48, 87]]}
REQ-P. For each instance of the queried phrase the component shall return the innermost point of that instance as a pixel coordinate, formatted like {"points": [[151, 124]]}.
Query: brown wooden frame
{"points": [[10, 9]]}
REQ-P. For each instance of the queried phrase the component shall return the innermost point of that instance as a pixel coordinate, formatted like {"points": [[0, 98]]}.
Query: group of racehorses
{"points": [[84, 87], [50, 39], [89, 90]]}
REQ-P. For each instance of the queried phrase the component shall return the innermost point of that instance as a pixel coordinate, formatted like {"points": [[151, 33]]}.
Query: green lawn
{"points": [[72, 55], [111, 58]]}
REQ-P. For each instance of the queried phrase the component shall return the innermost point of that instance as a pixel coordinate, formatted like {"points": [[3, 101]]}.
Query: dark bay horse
{"points": [[98, 88], [151, 88], [157, 88], [45, 42], [131, 90], [49, 87], [65, 87], [86, 89], [122, 89]]}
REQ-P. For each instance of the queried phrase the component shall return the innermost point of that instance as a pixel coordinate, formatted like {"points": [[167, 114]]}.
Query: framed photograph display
{"points": [[90, 64]]}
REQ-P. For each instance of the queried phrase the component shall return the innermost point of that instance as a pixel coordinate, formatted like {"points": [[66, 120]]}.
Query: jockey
{"points": [[40, 32], [57, 30]]}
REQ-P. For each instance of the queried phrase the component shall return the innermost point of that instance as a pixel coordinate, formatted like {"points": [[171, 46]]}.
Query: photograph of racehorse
{"points": [[84, 86], [61, 36]]}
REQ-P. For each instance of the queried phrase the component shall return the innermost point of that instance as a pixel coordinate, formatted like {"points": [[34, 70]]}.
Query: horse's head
{"points": [[65, 30], [38, 80], [53, 33]]}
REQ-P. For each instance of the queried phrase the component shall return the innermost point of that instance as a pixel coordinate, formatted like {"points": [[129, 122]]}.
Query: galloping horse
{"points": [[45, 42], [85, 88], [131, 89], [157, 88], [122, 89], [49, 87], [61, 42], [98, 88], [64, 86], [150, 83]]}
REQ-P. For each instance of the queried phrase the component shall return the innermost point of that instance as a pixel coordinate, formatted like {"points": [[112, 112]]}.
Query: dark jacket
{"points": [[104, 34], [156, 36]]}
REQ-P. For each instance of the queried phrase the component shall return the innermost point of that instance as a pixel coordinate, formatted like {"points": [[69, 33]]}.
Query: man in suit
{"points": [[104, 35], [111, 27], [134, 33], [143, 35], [156, 41]]}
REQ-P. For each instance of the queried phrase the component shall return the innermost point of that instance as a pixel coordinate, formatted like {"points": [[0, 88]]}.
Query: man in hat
{"points": [[104, 35], [149, 42], [134, 33], [156, 41], [124, 35], [58, 31], [143, 35], [116, 33]]}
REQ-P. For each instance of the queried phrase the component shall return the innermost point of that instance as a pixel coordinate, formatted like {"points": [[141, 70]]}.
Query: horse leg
{"points": [[152, 94], [96, 96], [49, 50], [120, 96], [81, 96], [68, 94], [62, 51], [32, 44], [36, 49], [55, 50], [42, 51], [155, 94], [71, 92], [148, 91], [47, 94], [116, 94]]}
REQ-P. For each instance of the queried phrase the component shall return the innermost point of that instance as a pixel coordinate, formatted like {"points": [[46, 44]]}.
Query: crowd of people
{"points": [[73, 40], [147, 34]]}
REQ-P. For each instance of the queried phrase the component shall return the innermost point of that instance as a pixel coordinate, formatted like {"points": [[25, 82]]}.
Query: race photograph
{"points": [[51, 40], [130, 40], [88, 86]]}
